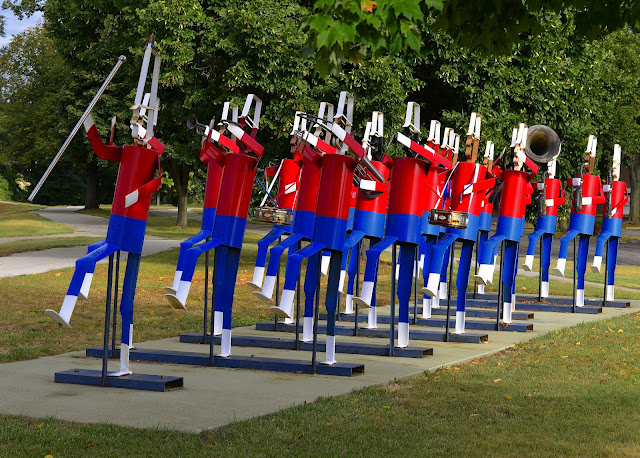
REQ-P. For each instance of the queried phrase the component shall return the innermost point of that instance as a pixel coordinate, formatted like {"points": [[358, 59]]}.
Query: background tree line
{"points": [[547, 65]]}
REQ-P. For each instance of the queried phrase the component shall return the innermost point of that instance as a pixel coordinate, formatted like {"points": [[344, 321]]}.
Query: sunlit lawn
{"points": [[20, 220]]}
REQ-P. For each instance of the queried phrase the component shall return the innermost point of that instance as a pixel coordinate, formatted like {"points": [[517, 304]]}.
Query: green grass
{"points": [[19, 220], [571, 393], [21, 246]]}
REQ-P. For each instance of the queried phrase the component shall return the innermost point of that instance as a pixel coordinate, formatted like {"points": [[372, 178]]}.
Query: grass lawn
{"points": [[574, 392], [21, 246], [19, 220], [571, 393]]}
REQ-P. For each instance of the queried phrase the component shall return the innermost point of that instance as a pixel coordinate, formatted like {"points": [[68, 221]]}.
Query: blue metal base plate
{"points": [[434, 336], [478, 313], [290, 344], [144, 382], [537, 306], [236, 362], [441, 323], [563, 300]]}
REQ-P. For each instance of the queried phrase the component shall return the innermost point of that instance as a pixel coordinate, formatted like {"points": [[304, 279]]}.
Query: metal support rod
{"points": [[415, 285], [73, 133], [392, 336], [275, 317], [540, 271], [214, 279], [115, 307], [107, 323], [475, 285], [316, 305], [500, 304], [575, 269], [356, 331], [451, 257], [606, 273], [299, 246], [206, 295]]}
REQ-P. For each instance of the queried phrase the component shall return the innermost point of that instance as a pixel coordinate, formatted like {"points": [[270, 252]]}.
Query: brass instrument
{"points": [[273, 215], [449, 218], [543, 143]]}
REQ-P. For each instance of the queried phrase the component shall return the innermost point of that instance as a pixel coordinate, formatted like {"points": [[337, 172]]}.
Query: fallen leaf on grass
{"points": [[58, 274], [577, 343], [40, 425], [497, 380], [564, 356]]}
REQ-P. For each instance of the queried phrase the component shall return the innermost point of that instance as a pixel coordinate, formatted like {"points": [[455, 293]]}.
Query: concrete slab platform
{"points": [[213, 397]]}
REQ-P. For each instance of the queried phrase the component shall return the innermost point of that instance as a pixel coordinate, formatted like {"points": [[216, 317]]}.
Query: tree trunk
{"points": [[91, 197], [180, 174], [634, 178]]}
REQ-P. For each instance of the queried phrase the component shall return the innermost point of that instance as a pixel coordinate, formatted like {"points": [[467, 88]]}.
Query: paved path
{"points": [[59, 258]]}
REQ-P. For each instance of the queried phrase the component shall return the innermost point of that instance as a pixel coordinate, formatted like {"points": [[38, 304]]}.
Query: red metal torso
{"points": [[336, 178], [137, 168], [590, 188], [377, 204], [552, 192], [516, 194], [236, 185], [408, 183], [288, 174], [212, 187]]}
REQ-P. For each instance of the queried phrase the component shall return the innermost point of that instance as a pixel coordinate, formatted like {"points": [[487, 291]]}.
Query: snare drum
{"points": [[273, 215], [449, 218]]}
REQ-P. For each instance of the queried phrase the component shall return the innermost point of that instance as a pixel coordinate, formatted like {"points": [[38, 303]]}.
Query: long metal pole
{"points": [[392, 335], [451, 257], [500, 304], [298, 302], [206, 295], [115, 307], [606, 274], [357, 291], [540, 270], [575, 268], [475, 285], [415, 286], [275, 317], [316, 306], [213, 306], [73, 133], [107, 319]]}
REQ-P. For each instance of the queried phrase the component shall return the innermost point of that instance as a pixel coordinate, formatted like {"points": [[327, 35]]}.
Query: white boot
{"points": [[460, 322], [507, 312], [544, 289], [267, 288], [433, 285], [343, 273], [580, 298], [324, 265], [66, 310], [403, 335], [307, 329], [559, 268], [217, 323], [366, 294], [176, 283], [86, 286], [258, 276], [528, 263], [285, 309], [484, 275], [480, 289], [426, 307], [179, 299], [372, 320], [443, 290], [124, 361], [348, 305], [330, 350], [225, 343], [597, 264], [610, 292]]}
